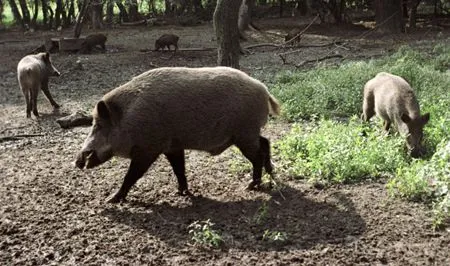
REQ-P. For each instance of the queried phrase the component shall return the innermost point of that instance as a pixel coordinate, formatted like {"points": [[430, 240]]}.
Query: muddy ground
{"points": [[52, 213]]}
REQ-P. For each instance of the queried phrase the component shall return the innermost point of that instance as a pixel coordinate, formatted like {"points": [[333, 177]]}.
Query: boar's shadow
{"points": [[242, 223]]}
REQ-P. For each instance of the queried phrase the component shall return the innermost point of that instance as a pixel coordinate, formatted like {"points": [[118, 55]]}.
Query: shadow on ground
{"points": [[242, 224]]}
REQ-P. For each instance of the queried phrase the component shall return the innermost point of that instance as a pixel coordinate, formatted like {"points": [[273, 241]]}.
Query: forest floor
{"points": [[53, 213]]}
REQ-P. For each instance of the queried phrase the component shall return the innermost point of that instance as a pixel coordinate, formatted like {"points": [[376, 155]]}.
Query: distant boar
{"points": [[166, 40], [92, 41], [33, 72], [392, 99], [293, 33], [168, 110]]}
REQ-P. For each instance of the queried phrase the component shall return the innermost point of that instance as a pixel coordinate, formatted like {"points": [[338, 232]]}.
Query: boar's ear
{"points": [[405, 118], [425, 118], [102, 110]]}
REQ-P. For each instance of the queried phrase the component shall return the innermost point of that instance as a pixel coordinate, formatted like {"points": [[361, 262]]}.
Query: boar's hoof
{"points": [[184, 192], [115, 199], [254, 185]]}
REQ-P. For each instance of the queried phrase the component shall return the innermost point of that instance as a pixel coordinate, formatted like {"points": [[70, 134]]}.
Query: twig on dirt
{"points": [[319, 59], [301, 33], [136, 23], [19, 137], [146, 50], [261, 45], [76, 119]]}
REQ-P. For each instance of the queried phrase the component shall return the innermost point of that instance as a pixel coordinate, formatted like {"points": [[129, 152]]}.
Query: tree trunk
{"points": [[44, 5], [25, 12], [58, 13], [389, 16], [133, 13], [96, 14], [35, 14], [413, 13], [227, 32], [109, 12], [80, 17], [16, 14], [245, 14], [123, 14]]}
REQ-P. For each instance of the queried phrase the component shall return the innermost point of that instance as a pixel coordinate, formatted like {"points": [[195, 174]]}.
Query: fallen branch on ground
{"points": [[75, 120], [19, 137]]}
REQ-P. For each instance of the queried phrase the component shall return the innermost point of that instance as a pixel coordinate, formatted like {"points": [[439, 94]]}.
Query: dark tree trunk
{"points": [[227, 32], [133, 13], [96, 14], [25, 12], [80, 17], [245, 14], [35, 14], [389, 16], [109, 12], [51, 18], [44, 7], [71, 13], [59, 13], [16, 14], [123, 14], [413, 13]]}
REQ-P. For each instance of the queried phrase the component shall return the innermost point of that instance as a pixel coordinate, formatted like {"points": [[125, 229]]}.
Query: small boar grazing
{"points": [[168, 110], [393, 99], [293, 33], [92, 41], [166, 40], [33, 72]]}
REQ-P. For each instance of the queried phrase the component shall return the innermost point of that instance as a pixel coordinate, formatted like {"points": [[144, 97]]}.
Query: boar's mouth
{"points": [[88, 159]]}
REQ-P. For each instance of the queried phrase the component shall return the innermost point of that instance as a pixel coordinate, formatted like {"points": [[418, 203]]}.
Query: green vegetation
{"points": [[203, 234], [275, 236], [326, 151]]}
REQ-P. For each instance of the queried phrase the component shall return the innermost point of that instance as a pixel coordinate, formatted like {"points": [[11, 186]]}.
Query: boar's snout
{"points": [[88, 159], [418, 152]]}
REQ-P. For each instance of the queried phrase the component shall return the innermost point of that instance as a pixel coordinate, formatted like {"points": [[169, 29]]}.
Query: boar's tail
{"points": [[274, 106]]}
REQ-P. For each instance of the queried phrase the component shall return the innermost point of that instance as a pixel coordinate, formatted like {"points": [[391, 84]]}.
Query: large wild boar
{"points": [[392, 98], [166, 40], [168, 110], [33, 72]]}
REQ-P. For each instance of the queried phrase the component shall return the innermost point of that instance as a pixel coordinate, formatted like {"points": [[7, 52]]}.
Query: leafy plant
{"points": [[261, 214], [274, 236], [333, 151], [203, 234]]}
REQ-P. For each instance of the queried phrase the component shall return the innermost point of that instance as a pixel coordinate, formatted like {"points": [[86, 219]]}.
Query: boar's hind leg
{"points": [[368, 107], [253, 152], [28, 102], [176, 160], [49, 96], [265, 150], [140, 162], [33, 96]]}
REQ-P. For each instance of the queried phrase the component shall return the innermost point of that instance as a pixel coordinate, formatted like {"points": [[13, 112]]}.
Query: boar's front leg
{"points": [[48, 95], [140, 162], [176, 159]]}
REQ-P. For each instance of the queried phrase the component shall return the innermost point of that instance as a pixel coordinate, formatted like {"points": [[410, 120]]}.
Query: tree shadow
{"points": [[242, 224]]}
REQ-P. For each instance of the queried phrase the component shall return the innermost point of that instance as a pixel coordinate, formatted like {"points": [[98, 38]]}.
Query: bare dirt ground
{"points": [[52, 213]]}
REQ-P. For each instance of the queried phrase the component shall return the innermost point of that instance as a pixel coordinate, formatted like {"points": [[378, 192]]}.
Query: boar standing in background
{"points": [[33, 72], [168, 110], [166, 40], [393, 99], [92, 41]]}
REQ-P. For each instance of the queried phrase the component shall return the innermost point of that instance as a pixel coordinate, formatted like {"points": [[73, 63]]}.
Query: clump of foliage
{"points": [[427, 181], [328, 151], [203, 234], [337, 152], [274, 236]]}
